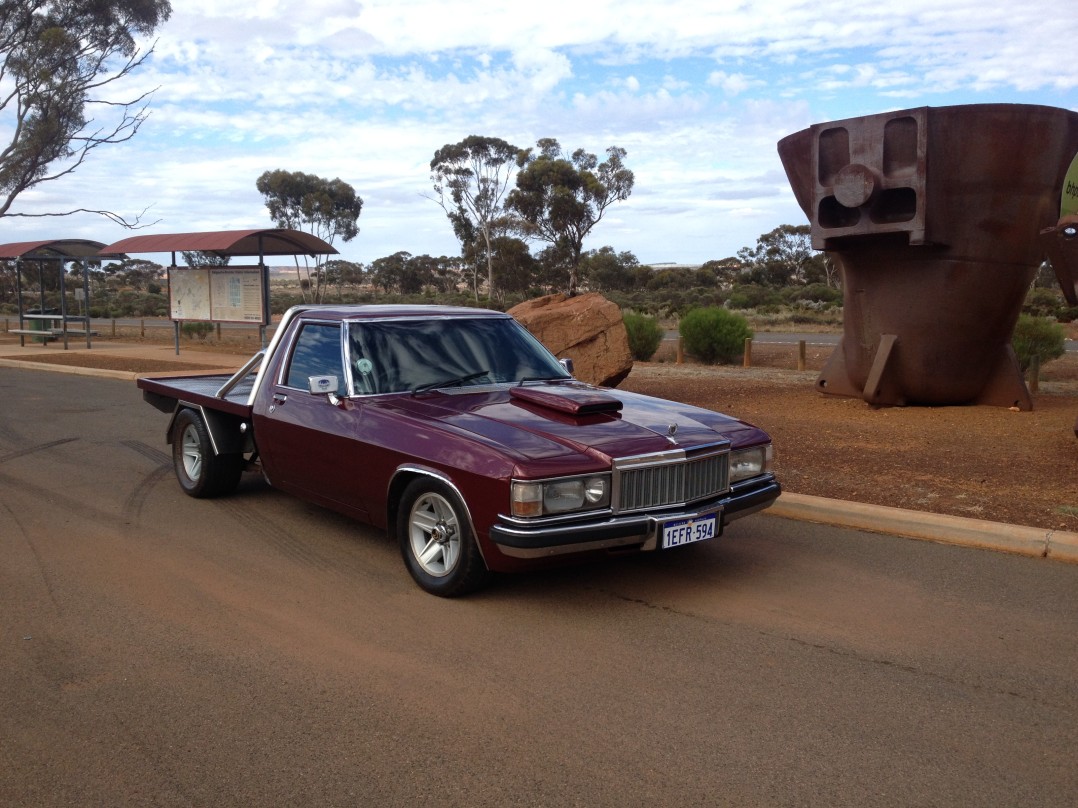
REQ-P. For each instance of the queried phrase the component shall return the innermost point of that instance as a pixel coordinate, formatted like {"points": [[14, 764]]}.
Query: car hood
{"points": [[554, 420]]}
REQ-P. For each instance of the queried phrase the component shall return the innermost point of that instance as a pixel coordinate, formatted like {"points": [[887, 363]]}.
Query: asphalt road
{"points": [[159, 650]]}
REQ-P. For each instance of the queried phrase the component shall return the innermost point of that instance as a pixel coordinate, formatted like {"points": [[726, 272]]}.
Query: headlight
{"points": [[550, 497], [752, 462]]}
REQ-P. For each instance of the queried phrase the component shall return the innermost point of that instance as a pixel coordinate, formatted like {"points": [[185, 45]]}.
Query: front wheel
{"points": [[200, 471], [436, 540]]}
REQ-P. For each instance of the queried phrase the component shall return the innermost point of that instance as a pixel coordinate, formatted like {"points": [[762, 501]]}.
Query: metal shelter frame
{"points": [[229, 243], [61, 251]]}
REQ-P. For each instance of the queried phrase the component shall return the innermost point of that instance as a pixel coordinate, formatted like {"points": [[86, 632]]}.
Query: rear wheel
{"points": [[201, 472], [436, 540]]}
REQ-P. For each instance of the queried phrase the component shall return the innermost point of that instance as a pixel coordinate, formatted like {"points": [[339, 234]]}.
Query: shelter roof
{"points": [[55, 248], [228, 242]]}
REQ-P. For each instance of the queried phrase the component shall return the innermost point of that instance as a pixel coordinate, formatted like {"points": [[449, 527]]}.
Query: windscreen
{"points": [[392, 356]]}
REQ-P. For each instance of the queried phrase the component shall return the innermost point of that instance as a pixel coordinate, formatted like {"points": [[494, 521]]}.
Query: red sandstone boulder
{"points": [[586, 328]]}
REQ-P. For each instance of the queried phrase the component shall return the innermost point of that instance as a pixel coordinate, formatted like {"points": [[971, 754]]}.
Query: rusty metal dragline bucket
{"points": [[933, 215]]}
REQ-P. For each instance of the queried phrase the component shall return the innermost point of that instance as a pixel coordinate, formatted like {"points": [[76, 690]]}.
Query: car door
{"points": [[310, 446]]}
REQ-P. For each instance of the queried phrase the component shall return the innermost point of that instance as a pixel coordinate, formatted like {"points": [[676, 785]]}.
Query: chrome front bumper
{"points": [[517, 539]]}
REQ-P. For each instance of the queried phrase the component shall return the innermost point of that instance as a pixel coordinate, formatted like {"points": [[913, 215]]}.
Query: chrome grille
{"points": [[670, 478]]}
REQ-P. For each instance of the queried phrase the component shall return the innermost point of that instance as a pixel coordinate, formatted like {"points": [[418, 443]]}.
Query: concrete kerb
{"points": [[72, 370], [207, 362], [1058, 545]]}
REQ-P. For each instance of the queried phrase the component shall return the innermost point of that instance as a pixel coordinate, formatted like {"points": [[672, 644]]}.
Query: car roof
{"points": [[397, 311]]}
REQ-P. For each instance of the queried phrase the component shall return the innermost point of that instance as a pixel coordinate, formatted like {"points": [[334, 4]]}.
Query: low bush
{"points": [[193, 328], [1068, 314], [1040, 337], [816, 295], [714, 335], [1043, 302], [645, 335], [753, 296]]}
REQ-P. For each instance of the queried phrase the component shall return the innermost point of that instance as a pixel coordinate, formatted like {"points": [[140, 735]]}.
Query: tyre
{"points": [[436, 540], [202, 473]]}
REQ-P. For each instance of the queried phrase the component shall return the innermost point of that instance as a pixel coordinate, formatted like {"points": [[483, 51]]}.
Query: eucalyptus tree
{"points": [[138, 273], [472, 255], [340, 273], [561, 197], [8, 284], [471, 179], [201, 258], [408, 274], [325, 208], [59, 62], [784, 257], [725, 271], [515, 267], [608, 271]]}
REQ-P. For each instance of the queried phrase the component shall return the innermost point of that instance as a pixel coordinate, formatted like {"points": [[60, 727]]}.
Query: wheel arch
{"points": [[404, 476], [226, 431]]}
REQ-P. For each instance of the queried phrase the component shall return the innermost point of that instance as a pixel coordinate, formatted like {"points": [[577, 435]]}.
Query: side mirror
{"points": [[324, 386], [567, 363]]}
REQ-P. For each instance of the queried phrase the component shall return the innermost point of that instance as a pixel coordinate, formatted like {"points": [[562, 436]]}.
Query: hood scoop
{"points": [[567, 400]]}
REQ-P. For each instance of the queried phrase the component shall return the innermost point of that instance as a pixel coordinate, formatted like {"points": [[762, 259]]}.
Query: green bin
{"points": [[41, 325]]}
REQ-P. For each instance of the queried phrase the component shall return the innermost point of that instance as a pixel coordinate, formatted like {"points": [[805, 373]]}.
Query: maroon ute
{"points": [[457, 431]]}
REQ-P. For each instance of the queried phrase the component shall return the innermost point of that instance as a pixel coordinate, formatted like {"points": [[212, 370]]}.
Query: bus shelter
{"points": [[45, 323]]}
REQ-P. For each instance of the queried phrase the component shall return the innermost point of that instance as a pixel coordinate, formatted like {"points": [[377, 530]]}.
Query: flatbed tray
{"points": [[200, 391]]}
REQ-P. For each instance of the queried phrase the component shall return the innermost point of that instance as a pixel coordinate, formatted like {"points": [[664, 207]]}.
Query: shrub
{"points": [[193, 328], [714, 335], [1043, 302], [1040, 337], [814, 295], [752, 296], [645, 334], [828, 317]]}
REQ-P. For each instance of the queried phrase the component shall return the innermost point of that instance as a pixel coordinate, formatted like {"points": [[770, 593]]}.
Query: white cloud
{"points": [[731, 84]]}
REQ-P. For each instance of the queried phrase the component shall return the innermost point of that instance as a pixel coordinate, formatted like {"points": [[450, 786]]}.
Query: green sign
{"points": [[1069, 205]]}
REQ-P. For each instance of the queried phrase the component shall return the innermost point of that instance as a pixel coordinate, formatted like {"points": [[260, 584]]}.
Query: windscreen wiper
{"points": [[456, 382]]}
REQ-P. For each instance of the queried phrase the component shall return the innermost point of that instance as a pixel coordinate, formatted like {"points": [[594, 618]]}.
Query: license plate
{"points": [[687, 531]]}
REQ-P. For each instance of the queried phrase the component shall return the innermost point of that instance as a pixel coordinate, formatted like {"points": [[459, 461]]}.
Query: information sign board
{"points": [[217, 294]]}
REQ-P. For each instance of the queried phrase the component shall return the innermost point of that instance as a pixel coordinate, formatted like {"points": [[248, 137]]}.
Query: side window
{"points": [[317, 353]]}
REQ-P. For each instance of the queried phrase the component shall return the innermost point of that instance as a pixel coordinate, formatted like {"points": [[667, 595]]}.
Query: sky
{"points": [[698, 92]]}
